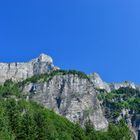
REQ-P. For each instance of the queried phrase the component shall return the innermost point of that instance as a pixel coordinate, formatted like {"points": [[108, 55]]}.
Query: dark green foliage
{"points": [[46, 77], [123, 98], [78, 133], [34, 79], [118, 131], [8, 89], [22, 120], [29, 121], [68, 72]]}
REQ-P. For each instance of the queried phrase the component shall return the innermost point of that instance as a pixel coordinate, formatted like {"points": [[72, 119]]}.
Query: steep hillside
{"points": [[69, 93], [26, 120], [22, 120], [21, 71], [124, 104], [119, 101], [80, 98]]}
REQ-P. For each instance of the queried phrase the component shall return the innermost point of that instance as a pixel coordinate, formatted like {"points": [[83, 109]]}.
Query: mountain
{"points": [[100, 84], [21, 71], [67, 94], [26, 120], [119, 101], [74, 95], [70, 95]]}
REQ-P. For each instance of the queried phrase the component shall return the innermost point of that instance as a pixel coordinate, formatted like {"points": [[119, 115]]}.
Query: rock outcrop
{"points": [[22, 71], [70, 96], [116, 86], [100, 84], [67, 94]]}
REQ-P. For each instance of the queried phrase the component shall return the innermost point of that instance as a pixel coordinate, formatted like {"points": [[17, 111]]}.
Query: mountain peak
{"points": [[98, 82], [22, 70], [44, 57]]}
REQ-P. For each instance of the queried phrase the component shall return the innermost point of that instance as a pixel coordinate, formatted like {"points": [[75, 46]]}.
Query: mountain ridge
{"points": [[71, 93], [44, 62], [18, 71]]}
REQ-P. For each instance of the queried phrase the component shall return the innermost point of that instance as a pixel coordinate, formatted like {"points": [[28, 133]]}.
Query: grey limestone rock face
{"points": [[22, 71], [70, 96], [98, 82], [116, 86]]}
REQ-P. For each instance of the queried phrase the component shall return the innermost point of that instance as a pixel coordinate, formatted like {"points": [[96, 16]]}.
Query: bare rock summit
{"points": [[18, 71]]}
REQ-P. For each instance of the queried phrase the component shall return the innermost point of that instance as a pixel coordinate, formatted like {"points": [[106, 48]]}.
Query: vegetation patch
{"points": [[46, 77], [123, 98], [22, 120]]}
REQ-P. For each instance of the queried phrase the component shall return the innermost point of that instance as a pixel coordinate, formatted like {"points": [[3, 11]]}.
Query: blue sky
{"points": [[89, 35]]}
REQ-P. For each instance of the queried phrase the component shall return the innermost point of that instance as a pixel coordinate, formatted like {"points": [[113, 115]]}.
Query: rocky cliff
{"points": [[73, 94], [120, 101], [100, 84], [70, 96], [21, 71]]}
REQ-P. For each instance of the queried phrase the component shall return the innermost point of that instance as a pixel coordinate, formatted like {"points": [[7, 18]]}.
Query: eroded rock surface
{"points": [[100, 84], [22, 71], [70, 96]]}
